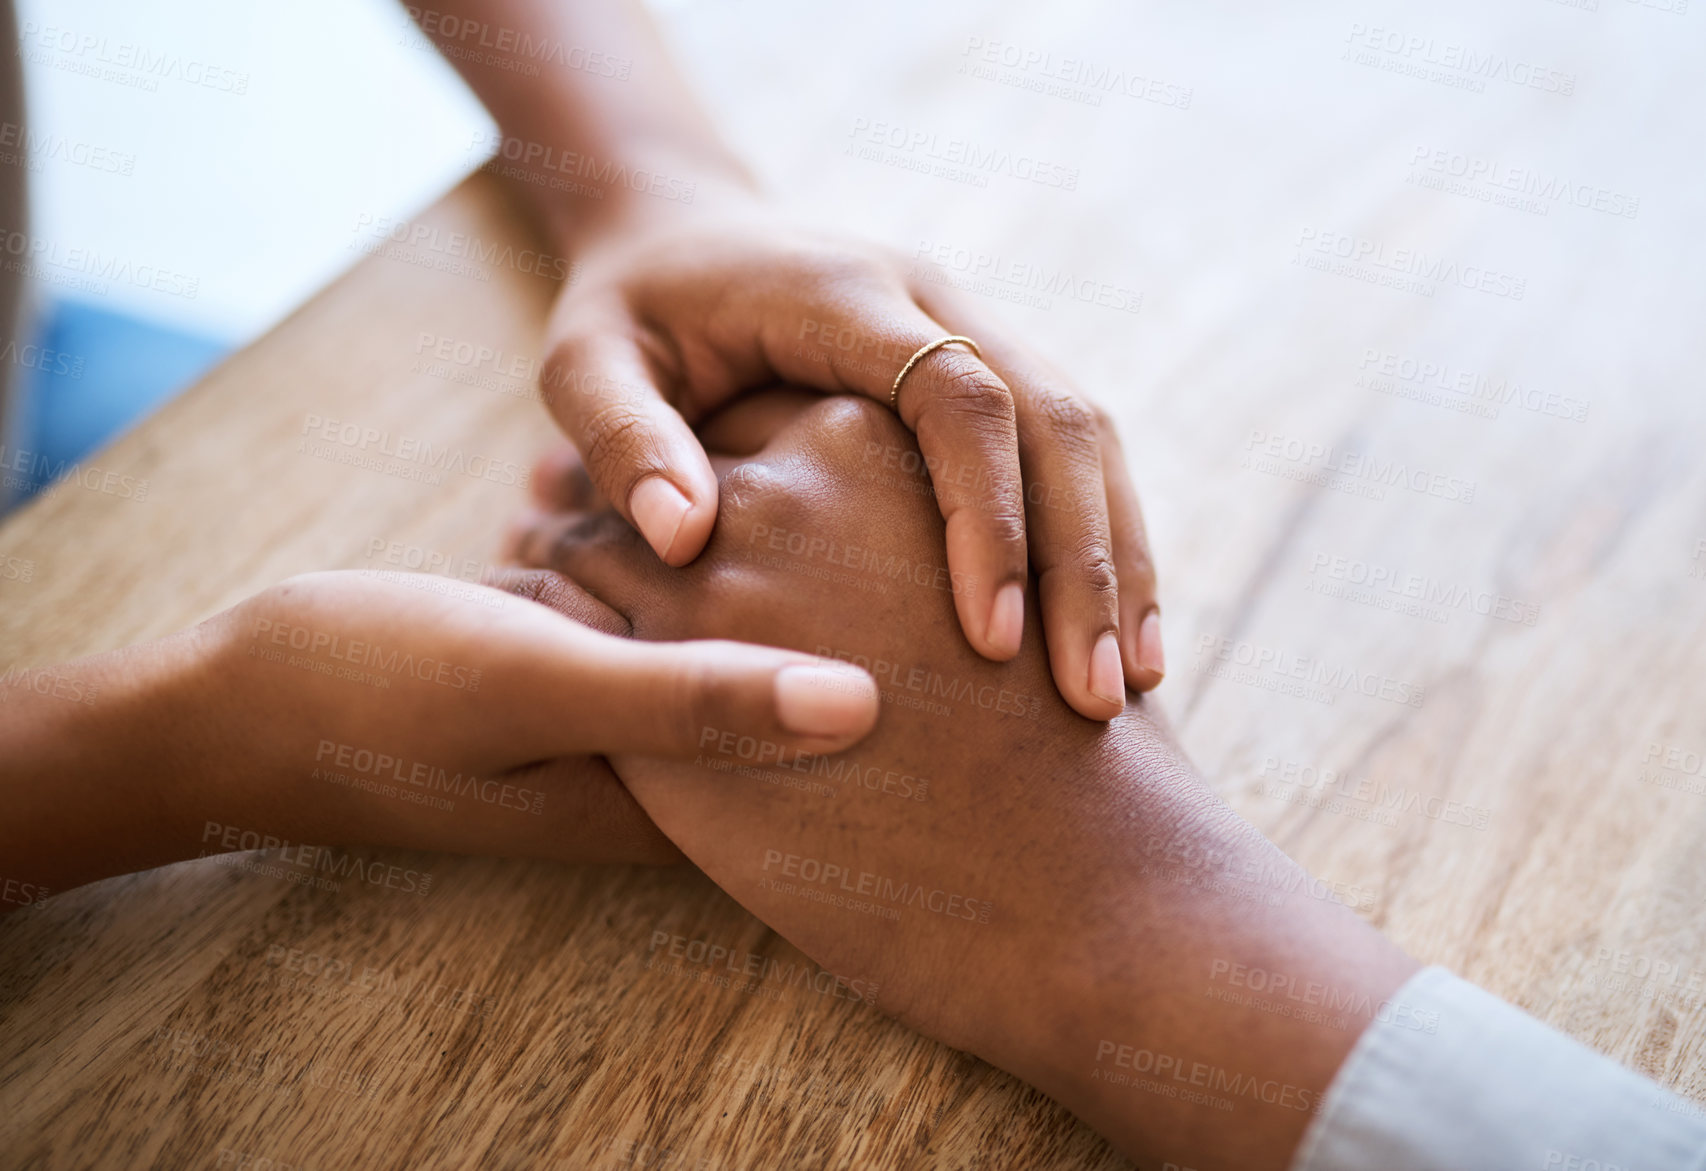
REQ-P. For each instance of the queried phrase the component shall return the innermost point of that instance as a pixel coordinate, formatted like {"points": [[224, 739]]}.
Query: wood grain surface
{"points": [[1407, 353]]}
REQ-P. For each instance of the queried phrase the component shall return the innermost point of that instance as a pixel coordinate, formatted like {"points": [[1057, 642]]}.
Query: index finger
{"points": [[640, 453]]}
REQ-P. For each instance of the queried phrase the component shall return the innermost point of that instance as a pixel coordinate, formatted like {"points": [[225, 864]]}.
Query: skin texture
{"points": [[690, 289], [238, 721], [1059, 889]]}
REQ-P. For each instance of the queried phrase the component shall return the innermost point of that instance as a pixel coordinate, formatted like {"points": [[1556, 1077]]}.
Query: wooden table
{"points": [[1468, 691]]}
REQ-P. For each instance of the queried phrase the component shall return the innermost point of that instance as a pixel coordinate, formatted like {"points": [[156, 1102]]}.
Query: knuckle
{"points": [[752, 487], [754, 494], [613, 438], [1095, 568], [858, 420], [1070, 419], [1004, 522], [965, 384]]}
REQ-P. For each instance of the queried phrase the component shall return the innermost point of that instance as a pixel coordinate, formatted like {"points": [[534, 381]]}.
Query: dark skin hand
{"points": [[1057, 890]]}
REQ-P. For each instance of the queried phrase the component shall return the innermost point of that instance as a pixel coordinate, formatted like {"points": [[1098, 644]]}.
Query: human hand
{"points": [[1016, 881], [668, 319], [391, 710]]}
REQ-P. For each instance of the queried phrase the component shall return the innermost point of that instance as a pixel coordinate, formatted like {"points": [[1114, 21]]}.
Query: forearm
{"points": [[256, 729], [1203, 1021], [598, 125], [98, 761]]}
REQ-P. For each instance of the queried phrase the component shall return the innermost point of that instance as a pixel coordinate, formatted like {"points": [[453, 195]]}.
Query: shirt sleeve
{"points": [[1455, 1079]]}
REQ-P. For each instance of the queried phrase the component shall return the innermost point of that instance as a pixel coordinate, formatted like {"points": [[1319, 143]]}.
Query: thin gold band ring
{"points": [[924, 352]]}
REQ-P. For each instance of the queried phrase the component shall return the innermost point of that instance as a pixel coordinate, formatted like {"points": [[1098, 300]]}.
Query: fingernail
{"points": [[824, 701], [1149, 653], [658, 508], [1107, 681], [1007, 620]]}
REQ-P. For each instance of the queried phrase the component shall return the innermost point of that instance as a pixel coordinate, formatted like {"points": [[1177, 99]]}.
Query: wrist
{"points": [[1136, 1009], [104, 762], [580, 206]]}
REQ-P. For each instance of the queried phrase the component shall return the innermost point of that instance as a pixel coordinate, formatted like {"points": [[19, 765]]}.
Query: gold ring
{"points": [[924, 351]]}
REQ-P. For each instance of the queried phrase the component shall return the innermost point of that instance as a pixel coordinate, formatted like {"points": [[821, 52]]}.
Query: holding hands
{"points": [[389, 680], [671, 318]]}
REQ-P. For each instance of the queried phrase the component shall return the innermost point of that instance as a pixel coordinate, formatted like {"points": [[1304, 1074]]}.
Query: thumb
{"points": [[597, 693]]}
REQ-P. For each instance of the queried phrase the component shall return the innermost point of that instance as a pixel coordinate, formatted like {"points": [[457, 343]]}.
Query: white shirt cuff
{"points": [[1489, 1087]]}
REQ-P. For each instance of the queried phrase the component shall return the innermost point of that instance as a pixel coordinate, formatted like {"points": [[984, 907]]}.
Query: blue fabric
{"points": [[96, 374]]}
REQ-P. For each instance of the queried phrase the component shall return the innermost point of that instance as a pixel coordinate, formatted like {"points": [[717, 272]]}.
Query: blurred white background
{"points": [[255, 194]]}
